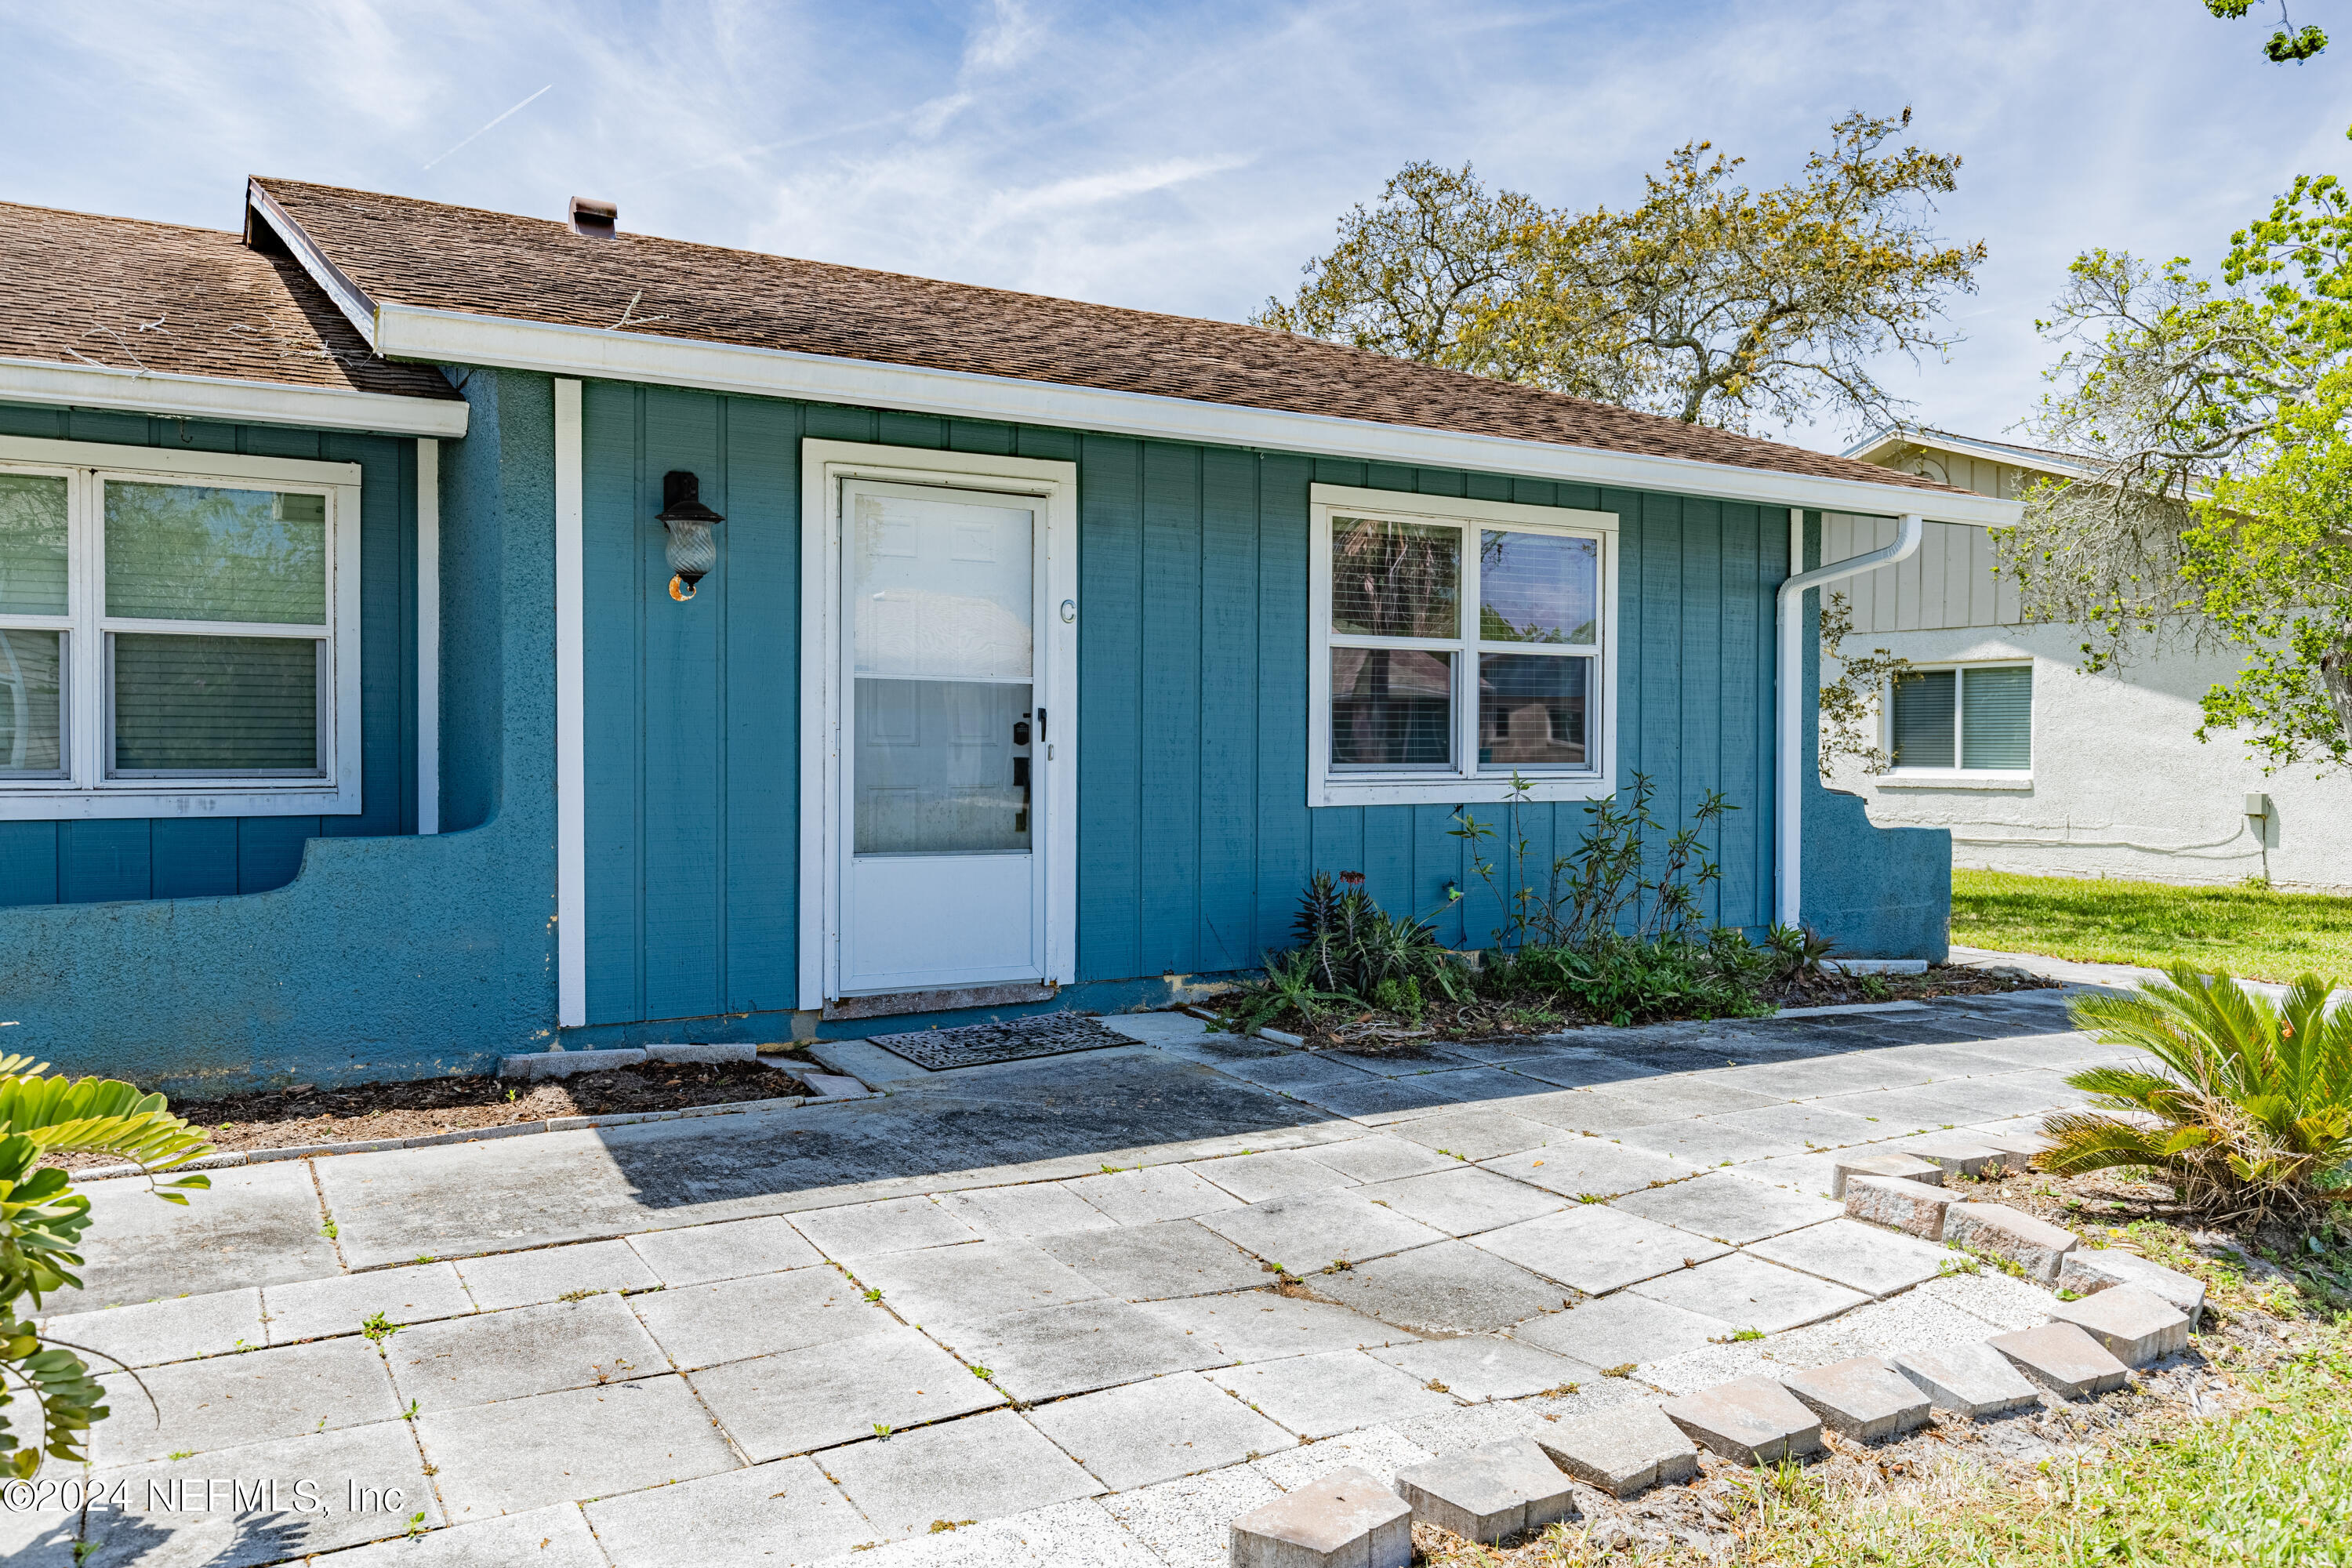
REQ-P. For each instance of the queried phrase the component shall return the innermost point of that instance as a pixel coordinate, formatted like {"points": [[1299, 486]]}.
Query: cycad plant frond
{"points": [[41, 1224], [2248, 1109]]}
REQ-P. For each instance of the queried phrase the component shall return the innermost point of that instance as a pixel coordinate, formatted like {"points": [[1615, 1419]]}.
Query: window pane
{"points": [[1923, 720], [32, 545], [1997, 718], [1531, 710], [1536, 587], [190, 552], [940, 768], [30, 728], [1395, 579], [216, 705], [1391, 708]]}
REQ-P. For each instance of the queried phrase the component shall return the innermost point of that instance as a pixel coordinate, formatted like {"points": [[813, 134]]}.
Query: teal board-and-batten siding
{"points": [[180, 857], [1194, 836]]}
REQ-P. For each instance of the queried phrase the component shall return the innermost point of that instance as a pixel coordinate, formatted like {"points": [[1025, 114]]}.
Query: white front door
{"points": [[943, 798]]}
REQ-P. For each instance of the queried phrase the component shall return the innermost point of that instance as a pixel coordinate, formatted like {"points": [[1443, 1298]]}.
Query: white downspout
{"points": [[1788, 859]]}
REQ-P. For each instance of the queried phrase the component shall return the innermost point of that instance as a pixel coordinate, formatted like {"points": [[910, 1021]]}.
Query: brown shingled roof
{"points": [[85, 290], [425, 254]]}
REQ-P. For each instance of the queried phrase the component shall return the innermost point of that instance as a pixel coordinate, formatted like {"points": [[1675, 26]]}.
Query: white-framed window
{"points": [[179, 633], [1960, 720], [1455, 642]]}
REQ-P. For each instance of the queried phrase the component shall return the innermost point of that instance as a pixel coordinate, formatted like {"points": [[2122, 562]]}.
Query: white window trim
{"points": [[1898, 777], [86, 794], [1464, 784]]}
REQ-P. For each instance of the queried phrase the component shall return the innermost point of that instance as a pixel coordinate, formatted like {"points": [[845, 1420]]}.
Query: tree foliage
{"points": [[2209, 415], [2289, 43], [1706, 301], [42, 1219]]}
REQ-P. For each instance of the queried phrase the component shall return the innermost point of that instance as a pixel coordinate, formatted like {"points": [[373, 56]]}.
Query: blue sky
{"points": [[1181, 158]]}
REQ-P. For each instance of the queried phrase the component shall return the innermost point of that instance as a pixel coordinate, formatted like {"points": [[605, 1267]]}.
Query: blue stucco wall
{"points": [[1877, 892], [1194, 836], [385, 957], [166, 857]]}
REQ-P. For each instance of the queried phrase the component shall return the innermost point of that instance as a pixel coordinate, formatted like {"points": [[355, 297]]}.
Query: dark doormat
{"points": [[977, 1045]]}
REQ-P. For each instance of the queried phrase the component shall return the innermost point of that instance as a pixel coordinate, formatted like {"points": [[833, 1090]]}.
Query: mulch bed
{"points": [[306, 1113], [1374, 1032]]}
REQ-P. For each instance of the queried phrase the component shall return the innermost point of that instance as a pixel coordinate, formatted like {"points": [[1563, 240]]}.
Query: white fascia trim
{"points": [[228, 400], [571, 719], [1870, 450], [453, 337]]}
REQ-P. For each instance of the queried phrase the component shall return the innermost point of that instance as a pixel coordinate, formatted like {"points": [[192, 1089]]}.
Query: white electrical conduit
{"points": [[1788, 859]]}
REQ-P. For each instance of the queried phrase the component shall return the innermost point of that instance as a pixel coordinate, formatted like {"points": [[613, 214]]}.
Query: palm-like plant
{"points": [[2252, 1112], [41, 1223]]}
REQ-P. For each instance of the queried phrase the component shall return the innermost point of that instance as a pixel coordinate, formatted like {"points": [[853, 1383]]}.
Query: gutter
{"points": [[1788, 858]]}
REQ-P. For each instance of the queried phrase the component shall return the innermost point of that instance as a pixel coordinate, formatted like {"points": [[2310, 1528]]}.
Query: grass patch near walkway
{"points": [[2249, 931]]}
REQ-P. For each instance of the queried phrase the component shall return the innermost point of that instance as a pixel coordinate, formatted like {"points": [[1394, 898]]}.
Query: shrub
{"points": [[2250, 1113], [41, 1222]]}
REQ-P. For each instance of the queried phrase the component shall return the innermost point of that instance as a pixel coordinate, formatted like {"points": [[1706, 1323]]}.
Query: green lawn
{"points": [[2246, 930]]}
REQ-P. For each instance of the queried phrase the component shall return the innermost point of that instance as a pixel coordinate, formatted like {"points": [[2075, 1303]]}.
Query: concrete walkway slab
{"points": [[1482, 1367], [1380, 1157], [1157, 1192], [1595, 1249], [1463, 1201], [1859, 1257], [556, 1537], [227, 1402], [1324, 1395], [1155, 1261], [946, 1287], [491, 1356], [316, 1308], [766, 1314], [892, 1225], [814, 1398], [1053, 1351], [1727, 1208], [563, 1448], [705, 1254], [1260, 1325], [1156, 1431], [153, 1332], [527, 1279], [1623, 1330], [258, 1224], [1279, 1173], [1307, 1234], [1480, 1132], [1751, 1293], [785, 1513], [1024, 1213], [1451, 1287], [1591, 1168], [977, 1469]]}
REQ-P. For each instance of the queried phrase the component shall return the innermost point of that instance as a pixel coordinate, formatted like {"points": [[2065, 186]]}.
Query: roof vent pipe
{"points": [[1790, 859], [595, 219]]}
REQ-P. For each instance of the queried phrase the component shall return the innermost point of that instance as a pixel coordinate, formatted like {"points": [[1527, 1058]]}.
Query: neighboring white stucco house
{"points": [[2035, 766]]}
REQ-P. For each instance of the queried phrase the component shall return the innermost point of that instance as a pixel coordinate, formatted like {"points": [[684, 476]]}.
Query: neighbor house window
{"points": [[1457, 643], [176, 642], [1975, 717]]}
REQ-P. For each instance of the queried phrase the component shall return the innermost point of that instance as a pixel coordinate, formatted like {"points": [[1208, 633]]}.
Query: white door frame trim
{"points": [[571, 717], [823, 465]]}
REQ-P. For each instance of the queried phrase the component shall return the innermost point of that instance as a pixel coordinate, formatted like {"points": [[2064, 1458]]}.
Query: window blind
{"points": [[1997, 718]]}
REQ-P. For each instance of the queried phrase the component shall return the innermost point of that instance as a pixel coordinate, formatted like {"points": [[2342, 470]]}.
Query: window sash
{"points": [[87, 784], [1968, 740], [1463, 649]]}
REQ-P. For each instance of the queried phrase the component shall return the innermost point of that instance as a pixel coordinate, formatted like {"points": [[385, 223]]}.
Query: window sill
{"points": [[1449, 789], [2021, 782], [33, 803]]}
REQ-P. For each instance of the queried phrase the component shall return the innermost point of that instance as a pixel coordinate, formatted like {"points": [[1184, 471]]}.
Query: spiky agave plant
{"points": [[2251, 1113], [41, 1222]]}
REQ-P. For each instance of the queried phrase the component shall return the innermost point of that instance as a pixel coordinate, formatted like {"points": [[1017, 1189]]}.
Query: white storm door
{"points": [[942, 879]]}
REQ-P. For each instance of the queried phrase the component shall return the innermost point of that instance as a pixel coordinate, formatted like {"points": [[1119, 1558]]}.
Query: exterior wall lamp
{"points": [[691, 552]]}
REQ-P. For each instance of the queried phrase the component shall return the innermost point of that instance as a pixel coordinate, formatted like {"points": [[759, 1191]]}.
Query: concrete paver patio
{"points": [[1038, 1302]]}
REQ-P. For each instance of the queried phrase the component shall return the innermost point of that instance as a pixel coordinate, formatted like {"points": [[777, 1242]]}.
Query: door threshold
{"points": [[893, 1004]]}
